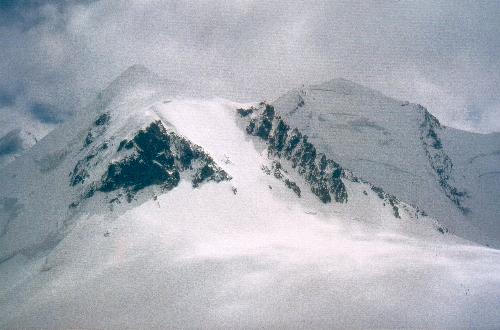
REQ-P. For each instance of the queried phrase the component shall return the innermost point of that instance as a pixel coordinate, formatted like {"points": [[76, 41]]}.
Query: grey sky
{"points": [[442, 54]]}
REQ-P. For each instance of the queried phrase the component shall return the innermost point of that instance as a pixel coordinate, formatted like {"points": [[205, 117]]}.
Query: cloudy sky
{"points": [[55, 55]]}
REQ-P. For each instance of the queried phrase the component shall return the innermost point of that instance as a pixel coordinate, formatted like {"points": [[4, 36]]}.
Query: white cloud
{"points": [[257, 50]]}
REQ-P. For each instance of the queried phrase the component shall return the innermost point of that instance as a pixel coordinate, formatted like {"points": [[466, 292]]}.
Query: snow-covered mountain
{"points": [[451, 174], [150, 209]]}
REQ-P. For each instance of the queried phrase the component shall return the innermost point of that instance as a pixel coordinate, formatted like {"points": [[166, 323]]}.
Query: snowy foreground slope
{"points": [[149, 210]]}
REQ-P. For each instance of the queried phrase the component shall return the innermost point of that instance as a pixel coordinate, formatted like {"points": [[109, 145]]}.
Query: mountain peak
{"points": [[345, 86], [133, 78], [134, 75], [137, 71]]}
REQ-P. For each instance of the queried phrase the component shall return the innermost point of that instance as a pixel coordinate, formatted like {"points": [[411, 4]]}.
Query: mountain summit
{"points": [[402, 147], [153, 211]]}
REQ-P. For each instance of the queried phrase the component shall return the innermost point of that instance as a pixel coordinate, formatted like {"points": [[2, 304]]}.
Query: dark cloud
{"points": [[442, 54], [11, 142], [26, 14], [47, 113], [23, 13], [6, 99]]}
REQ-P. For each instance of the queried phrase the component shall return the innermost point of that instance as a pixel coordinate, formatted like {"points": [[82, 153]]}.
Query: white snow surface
{"points": [[207, 257], [379, 139]]}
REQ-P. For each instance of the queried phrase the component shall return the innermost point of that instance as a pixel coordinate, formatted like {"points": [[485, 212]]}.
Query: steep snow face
{"points": [[403, 149], [476, 166]]}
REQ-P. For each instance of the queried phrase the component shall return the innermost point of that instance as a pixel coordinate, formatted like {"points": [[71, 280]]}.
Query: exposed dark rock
{"points": [[134, 173], [187, 152], [89, 191], [279, 135], [261, 125], [88, 139], [280, 173], [153, 157], [392, 200], [266, 169], [292, 141], [209, 172], [276, 166], [320, 189], [379, 192], [125, 144], [97, 129], [395, 210], [158, 158], [245, 112], [438, 159], [300, 102], [442, 230], [292, 185], [115, 199], [323, 175], [79, 173], [102, 119]]}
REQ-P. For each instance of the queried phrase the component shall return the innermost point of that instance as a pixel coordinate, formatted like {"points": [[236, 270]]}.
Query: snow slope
{"points": [[87, 243], [401, 147]]}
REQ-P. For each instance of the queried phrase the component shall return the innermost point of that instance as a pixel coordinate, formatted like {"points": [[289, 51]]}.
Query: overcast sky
{"points": [[55, 55]]}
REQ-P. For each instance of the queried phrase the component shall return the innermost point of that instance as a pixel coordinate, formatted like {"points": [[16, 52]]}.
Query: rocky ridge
{"points": [[155, 156], [440, 162], [324, 176]]}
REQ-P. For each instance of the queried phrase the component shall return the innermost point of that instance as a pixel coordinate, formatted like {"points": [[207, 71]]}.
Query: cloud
{"points": [[235, 267], [6, 99], [46, 113], [11, 142], [441, 54]]}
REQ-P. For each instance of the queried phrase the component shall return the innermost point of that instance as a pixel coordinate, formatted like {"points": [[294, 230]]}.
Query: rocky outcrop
{"points": [[80, 172], [438, 159], [281, 174], [98, 128], [392, 200], [153, 157], [158, 158], [323, 175]]}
